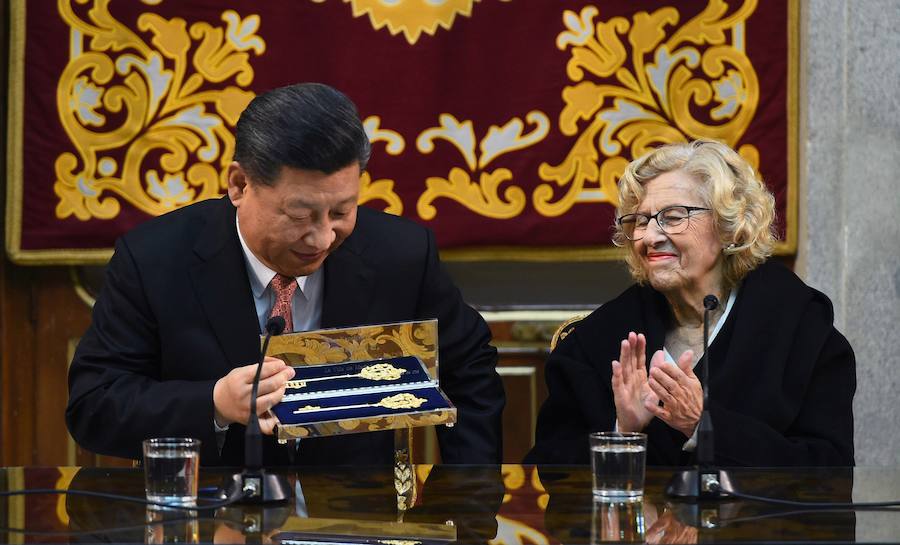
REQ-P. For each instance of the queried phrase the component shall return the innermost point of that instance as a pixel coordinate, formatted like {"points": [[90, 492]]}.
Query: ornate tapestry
{"points": [[503, 125]]}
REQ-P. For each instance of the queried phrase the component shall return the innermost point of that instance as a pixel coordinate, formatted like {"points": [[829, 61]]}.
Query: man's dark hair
{"points": [[307, 126]]}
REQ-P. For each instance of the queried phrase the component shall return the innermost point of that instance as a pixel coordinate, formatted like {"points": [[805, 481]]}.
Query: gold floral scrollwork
{"points": [[513, 479], [536, 483], [147, 121], [372, 342], [370, 190], [310, 350], [409, 340], [676, 83], [483, 196]]}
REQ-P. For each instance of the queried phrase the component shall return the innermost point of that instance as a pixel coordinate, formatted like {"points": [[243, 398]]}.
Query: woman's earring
{"points": [[731, 246]]}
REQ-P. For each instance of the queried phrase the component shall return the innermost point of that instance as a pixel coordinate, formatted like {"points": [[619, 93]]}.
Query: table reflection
{"points": [[659, 519], [639, 522], [453, 503], [619, 522], [501, 506], [171, 526]]}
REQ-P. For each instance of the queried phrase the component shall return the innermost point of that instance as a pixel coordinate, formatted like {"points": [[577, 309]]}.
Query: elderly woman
{"points": [[697, 220]]}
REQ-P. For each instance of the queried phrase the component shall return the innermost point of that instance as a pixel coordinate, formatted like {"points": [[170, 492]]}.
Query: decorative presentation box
{"points": [[360, 379]]}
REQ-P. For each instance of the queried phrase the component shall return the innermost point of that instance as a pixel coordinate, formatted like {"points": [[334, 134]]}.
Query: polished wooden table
{"points": [[440, 504]]}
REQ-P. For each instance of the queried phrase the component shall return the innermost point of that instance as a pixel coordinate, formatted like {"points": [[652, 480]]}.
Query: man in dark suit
{"points": [[175, 331]]}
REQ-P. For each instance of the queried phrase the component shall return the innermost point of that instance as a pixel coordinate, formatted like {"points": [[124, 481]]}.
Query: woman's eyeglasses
{"points": [[671, 220]]}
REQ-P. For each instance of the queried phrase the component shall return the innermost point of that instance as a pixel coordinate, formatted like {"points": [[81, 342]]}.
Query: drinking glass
{"points": [[618, 461], [171, 470]]}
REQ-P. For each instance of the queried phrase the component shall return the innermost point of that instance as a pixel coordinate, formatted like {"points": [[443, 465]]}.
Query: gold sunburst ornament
{"points": [[411, 17]]}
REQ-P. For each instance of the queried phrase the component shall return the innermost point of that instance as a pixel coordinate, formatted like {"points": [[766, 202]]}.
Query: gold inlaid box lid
{"points": [[359, 379]]}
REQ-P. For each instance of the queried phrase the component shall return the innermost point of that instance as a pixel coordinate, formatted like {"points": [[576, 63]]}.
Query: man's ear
{"points": [[237, 183]]}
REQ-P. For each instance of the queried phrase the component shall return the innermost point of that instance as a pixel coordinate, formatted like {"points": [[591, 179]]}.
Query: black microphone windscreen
{"points": [[710, 302], [275, 325]]}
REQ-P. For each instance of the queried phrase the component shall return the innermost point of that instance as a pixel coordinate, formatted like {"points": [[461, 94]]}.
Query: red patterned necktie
{"points": [[284, 287]]}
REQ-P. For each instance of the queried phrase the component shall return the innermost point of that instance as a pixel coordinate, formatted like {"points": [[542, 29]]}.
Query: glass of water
{"points": [[171, 470], [618, 461]]}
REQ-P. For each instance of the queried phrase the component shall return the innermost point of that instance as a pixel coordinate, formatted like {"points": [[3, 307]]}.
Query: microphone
{"points": [[253, 484], [705, 454], [253, 436], [703, 482]]}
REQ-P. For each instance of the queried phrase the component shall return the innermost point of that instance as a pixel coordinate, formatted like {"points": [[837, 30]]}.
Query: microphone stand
{"points": [[254, 484], [704, 482]]}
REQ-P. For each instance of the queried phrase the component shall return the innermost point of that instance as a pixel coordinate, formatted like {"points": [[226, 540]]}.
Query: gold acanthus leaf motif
{"points": [[639, 98], [510, 137], [483, 196], [427, 335], [394, 141], [420, 343], [460, 135], [306, 351], [358, 349], [152, 89], [383, 190]]}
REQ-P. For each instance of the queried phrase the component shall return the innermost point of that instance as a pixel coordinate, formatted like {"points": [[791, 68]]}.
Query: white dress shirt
{"points": [[306, 306]]}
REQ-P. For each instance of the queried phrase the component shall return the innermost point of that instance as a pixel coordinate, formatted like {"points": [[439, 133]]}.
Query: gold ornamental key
{"points": [[378, 371], [398, 401]]}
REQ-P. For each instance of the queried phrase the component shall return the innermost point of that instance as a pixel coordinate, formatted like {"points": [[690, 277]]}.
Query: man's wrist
{"points": [[220, 421]]}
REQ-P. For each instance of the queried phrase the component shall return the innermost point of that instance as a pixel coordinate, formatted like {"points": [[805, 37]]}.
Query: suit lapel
{"points": [[220, 279], [349, 284]]}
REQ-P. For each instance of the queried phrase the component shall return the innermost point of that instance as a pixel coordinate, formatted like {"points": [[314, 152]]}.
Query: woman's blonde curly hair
{"points": [[742, 207]]}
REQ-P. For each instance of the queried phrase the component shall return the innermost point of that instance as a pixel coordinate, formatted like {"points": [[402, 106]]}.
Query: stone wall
{"points": [[850, 197]]}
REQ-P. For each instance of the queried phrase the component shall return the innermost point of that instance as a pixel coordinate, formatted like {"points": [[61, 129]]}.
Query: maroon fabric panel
{"points": [[499, 63]]}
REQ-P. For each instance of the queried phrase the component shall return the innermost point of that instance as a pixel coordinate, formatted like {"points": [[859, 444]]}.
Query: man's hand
{"points": [[231, 394], [680, 391], [629, 384]]}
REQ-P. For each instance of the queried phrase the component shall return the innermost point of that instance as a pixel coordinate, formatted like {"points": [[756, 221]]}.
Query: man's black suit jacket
{"points": [[176, 314]]}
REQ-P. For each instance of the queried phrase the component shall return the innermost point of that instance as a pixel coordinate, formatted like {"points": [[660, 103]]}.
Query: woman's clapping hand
{"points": [[630, 385]]}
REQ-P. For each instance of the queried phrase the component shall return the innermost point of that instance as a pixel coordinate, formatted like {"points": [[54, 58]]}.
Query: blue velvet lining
{"points": [[415, 373], [285, 410]]}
